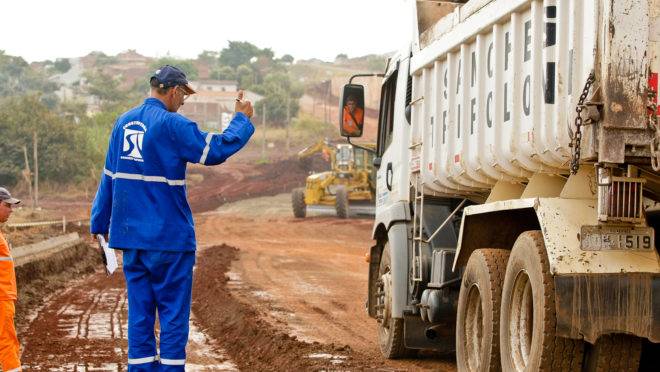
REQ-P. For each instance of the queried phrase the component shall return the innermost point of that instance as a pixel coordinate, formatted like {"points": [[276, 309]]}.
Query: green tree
{"points": [[223, 73], [63, 148], [238, 53], [102, 86], [17, 77], [185, 65], [209, 57], [62, 65], [279, 91], [287, 58], [246, 76]]}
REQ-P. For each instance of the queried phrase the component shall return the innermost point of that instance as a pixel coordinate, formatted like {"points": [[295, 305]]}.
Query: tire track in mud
{"points": [[83, 328]]}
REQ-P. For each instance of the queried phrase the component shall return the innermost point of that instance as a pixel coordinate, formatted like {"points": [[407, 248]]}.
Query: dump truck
{"points": [[349, 180], [518, 185]]}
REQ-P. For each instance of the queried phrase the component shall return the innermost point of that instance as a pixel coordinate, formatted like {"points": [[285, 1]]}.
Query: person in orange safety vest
{"points": [[9, 347], [353, 117]]}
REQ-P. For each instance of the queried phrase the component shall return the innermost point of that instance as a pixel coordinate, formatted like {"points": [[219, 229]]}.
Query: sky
{"points": [[38, 29]]}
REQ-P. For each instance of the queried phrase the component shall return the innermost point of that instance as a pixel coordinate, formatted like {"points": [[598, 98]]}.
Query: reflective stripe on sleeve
{"points": [[6, 259], [14, 369], [205, 153], [173, 362], [141, 177], [143, 360]]}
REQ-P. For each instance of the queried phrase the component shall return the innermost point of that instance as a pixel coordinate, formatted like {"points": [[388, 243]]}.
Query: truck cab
{"points": [[517, 185]]}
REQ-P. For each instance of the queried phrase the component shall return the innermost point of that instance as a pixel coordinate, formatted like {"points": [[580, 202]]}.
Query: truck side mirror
{"points": [[351, 112]]}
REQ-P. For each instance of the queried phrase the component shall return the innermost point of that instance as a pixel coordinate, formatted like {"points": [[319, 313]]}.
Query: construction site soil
{"points": [[251, 342], [289, 296], [211, 187]]}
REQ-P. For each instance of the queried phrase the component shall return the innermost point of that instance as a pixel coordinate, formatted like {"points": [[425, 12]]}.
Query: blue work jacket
{"points": [[141, 200]]}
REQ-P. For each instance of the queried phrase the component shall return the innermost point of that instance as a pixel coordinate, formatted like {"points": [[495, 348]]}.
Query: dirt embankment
{"points": [[251, 342], [36, 280], [211, 187]]}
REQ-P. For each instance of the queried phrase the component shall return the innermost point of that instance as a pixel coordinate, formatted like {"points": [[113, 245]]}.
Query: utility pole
{"points": [[263, 136], [27, 174], [328, 87], [288, 124], [36, 170]]}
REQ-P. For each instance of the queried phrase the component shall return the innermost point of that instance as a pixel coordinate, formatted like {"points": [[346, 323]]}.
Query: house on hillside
{"points": [[215, 85], [71, 86], [213, 99], [131, 67]]}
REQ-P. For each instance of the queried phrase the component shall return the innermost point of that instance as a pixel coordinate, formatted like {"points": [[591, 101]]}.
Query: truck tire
{"points": [[620, 353], [527, 317], [341, 202], [478, 317], [390, 330], [298, 203]]}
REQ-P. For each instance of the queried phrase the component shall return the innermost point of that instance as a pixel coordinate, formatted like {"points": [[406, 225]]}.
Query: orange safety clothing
{"points": [[7, 274], [9, 346], [349, 125]]}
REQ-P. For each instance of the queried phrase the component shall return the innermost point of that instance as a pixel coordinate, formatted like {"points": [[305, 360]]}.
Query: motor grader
{"points": [[348, 180]]}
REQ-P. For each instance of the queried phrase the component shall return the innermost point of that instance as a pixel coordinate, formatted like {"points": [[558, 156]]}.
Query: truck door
{"points": [[393, 137]]}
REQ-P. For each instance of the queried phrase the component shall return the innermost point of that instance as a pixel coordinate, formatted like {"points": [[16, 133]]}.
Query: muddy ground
{"points": [[39, 279], [252, 342], [305, 277], [289, 296]]}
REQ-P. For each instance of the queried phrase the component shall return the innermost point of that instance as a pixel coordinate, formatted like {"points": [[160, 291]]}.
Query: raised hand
{"points": [[243, 106]]}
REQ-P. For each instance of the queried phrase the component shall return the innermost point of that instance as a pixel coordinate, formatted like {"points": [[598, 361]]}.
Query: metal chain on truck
{"points": [[653, 127], [577, 137]]}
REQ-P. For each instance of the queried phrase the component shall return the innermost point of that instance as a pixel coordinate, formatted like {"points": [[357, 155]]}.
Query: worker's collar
{"points": [[155, 102]]}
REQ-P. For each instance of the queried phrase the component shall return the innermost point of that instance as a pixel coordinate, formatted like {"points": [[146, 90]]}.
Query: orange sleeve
{"points": [[7, 274]]}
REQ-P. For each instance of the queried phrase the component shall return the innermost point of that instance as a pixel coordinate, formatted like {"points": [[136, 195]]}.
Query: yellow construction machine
{"points": [[349, 180]]}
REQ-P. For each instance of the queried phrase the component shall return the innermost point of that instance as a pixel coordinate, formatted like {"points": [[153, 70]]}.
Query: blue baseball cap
{"points": [[170, 76]]}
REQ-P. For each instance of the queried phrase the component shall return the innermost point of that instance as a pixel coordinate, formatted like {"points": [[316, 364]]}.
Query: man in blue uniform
{"points": [[141, 203]]}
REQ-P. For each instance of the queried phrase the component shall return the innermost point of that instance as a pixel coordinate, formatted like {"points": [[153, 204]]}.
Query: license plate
{"points": [[606, 238]]}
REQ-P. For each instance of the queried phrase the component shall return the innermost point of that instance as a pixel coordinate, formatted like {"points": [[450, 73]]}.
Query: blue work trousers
{"points": [[158, 281]]}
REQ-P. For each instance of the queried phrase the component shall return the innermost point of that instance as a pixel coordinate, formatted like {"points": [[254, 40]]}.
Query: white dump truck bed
{"points": [[496, 84]]}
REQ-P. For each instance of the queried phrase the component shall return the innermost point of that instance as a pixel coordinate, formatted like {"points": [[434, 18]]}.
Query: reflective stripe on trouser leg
{"points": [[143, 360], [142, 354], [171, 278], [9, 346], [173, 362]]}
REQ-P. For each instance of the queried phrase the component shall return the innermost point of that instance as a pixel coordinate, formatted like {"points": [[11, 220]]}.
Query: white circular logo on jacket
{"points": [[133, 137]]}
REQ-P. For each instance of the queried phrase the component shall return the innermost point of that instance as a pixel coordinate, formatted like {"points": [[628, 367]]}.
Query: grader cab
{"points": [[348, 180]]}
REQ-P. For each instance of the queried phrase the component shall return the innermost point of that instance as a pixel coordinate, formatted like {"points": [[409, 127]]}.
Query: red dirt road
{"points": [[306, 277], [290, 297]]}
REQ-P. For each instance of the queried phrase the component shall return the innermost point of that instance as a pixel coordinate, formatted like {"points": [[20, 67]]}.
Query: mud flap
{"points": [[374, 264], [414, 332], [589, 305]]}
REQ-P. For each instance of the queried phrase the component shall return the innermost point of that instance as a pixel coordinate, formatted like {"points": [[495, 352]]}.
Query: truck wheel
{"points": [[341, 202], [390, 330], [298, 202], [614, 353], [527, 317], [478, 318]]}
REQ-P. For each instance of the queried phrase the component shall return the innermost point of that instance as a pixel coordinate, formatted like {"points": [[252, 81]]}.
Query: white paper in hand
{"points": [[110, 255]]}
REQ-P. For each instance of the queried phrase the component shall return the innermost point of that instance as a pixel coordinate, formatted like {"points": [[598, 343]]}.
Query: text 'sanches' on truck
{"points": [[518, 185]]}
